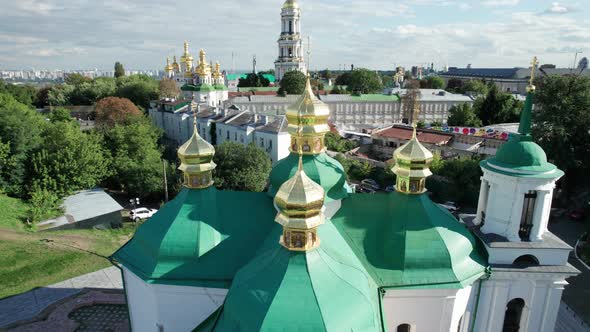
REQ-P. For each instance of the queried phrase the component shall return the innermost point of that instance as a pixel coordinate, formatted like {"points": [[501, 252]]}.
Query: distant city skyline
{"points": [[376, 34]]}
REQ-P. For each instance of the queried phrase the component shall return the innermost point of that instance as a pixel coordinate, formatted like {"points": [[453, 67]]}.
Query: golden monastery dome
{"points": [[300, 201], [309, 112], [412, 161], [196, 161], [168, 67], [291, 4]]}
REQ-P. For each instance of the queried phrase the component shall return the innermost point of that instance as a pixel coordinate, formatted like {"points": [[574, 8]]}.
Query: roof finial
{"points": [[534, 64], [308, 55]]}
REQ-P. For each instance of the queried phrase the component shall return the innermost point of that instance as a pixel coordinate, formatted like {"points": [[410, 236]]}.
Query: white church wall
{"points": [[141, 302], [545, 256], [171, 308], [541, 296], [425, 309]]}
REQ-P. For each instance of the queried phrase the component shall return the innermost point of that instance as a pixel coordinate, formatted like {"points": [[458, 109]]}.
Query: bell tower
{"points": [[290, 42]]}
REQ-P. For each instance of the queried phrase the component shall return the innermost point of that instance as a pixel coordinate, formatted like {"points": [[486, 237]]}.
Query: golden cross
{"points": [[534, 64]]}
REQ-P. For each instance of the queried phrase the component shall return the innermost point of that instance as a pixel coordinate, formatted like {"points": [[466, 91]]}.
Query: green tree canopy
{"points": [[253, 81], [497, 107], [24, 94], [336, 143], [561, 125], [364, 81], [60, 114], [476, 87], [241, 168], [293, 82], [455, 85], [67, 160], [432, 82], [76, 79], [463, 175], [463, 115], [140, 89], [119, 70], [344, 78], [20, 128], [136, 158]]}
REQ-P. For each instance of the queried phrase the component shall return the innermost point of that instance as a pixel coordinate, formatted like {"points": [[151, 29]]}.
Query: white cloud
{"points": [[559, 8]]}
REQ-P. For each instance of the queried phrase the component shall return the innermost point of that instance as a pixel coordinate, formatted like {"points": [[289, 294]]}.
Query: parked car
{"points": [[365, 190], [370, 184], [390, 189], [577, 214], [141, 213], [451, 206]]}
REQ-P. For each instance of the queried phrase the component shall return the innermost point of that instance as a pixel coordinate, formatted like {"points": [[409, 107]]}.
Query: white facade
{"points": [[290, 42], [157, 308]]}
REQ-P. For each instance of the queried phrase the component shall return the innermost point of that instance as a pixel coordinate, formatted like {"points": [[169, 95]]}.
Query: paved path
{"points": [[29, 304], [577, 293]]}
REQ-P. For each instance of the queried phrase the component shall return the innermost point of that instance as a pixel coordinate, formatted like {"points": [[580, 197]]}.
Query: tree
{"points": [[168, 88], [561, 123], [140, 89], [435, 82], [410, 100], [326, 73], [463, 115], [476, 87], [463, 175], [77, 79], [293, 82], [344, 78], [59, 95], [24, 94], [455, 85], [20, 128], [497, 107], [253, 81], [337, 90], [336, 143], [60, 114], [421, 124], [387, 81], [364, 81], [111, 111], [119, 70], [136, 158], [241, 168], [67, 160]]}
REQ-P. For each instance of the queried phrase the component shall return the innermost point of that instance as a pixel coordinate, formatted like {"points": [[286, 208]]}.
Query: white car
{"points": [[451, 206], [141, 213]]}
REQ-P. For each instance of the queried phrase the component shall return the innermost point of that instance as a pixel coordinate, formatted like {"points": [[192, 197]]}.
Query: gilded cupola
{"points": [[203, 69], [176, 66], [196, 160], [412, 162], [312, 115], [217, 72], [168, 69], [291, 4], [300, 201]]}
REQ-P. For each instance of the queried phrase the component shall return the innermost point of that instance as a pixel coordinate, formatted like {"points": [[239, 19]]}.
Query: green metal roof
{"points": [[408, 241], [220, 87], [201, 238], [374, 97], [231, 77], [198, 88], [326, 289], [520, 156], [321, 168]]}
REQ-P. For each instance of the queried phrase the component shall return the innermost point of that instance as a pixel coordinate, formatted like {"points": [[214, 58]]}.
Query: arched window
{"points": [[404, 328], [513, 315], [526, 260]]}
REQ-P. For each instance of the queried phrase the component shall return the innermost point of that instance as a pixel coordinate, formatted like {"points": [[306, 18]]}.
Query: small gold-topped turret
{"points": [[168, 69], [300, 201], [217, 72], [175, 66], [290, 4], [187, 59], [312, 115], [203, 69], [412, 162], [531, 87], [196, 160]]}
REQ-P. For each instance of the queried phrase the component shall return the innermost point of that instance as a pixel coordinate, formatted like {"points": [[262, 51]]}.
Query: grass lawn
{"points": [[29, 259]]}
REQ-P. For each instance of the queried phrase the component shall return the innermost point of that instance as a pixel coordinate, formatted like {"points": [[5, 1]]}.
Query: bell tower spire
{"points": [[290, 42]]}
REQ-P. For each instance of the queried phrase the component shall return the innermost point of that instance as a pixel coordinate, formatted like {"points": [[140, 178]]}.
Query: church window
{"points": [[513, 315], [227, 135], [404, 328], [526, 221], [290, 26], [526, 260], [261, 142], [290, 52], [236, 136]]}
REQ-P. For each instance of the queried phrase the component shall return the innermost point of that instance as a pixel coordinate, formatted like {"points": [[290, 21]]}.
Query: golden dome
{"points": [[291, 4], [186, 57], [300, 201], [412, 161], [196, 160], [168, 67], [175, 65], [217, 72]]}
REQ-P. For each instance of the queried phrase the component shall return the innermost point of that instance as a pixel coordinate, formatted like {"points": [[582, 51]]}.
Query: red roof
{"points": [[402, 133]]}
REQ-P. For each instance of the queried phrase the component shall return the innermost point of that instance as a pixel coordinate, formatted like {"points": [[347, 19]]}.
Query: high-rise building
{"points": [[290, 42]]}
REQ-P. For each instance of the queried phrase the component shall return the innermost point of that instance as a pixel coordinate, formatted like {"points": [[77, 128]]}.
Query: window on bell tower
{"points": [[526, 221], [290, 26]]}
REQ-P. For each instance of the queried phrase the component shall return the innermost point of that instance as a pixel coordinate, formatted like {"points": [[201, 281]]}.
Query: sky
{"points": [[375, 34]]}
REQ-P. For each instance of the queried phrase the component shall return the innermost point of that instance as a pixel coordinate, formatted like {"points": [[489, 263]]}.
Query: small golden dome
{"points": [[291, 4], [309, 112], [300, 201], [196, 160], [168, 67], [175, 65], [412, 161]]}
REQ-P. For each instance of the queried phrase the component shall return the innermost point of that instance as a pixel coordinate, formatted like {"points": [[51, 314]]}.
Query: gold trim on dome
{"points": [[291, 4]]}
